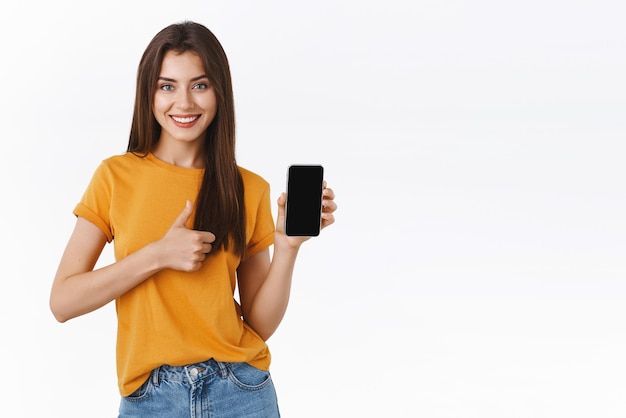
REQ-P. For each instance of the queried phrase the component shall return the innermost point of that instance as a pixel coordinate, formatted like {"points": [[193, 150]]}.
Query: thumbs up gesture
{"points": [[182, 248]]}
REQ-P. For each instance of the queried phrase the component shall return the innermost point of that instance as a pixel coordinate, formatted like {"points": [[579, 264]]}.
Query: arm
{"points": [[78, 289], [264, 285]]}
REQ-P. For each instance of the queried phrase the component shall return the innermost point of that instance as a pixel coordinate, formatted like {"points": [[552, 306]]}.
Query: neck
{"points": [[181, 155]]}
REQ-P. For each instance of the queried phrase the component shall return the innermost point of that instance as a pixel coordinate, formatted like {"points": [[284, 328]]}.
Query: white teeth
{"points": [[185, 120]]}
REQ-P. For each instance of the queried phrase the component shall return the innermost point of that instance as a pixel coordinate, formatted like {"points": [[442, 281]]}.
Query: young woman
{"points": [[188, 225]]}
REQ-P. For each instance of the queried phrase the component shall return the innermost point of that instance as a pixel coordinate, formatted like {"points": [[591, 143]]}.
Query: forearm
{"points": [[270, 303], [81, 293], [264, 285]]}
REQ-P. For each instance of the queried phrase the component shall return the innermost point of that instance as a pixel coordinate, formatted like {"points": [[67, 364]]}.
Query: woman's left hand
{"points": [[328, 218], [328, 206]]}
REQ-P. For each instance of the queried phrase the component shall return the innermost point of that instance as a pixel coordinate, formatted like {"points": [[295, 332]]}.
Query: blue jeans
{"points": [[203, 390]]}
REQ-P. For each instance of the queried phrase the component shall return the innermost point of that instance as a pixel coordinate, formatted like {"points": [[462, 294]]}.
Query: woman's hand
{"points": [[264, 285], [327, 218], [328, 206], [182, 248]]}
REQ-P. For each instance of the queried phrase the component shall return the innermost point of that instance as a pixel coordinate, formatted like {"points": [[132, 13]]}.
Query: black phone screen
{"points": [[304, 200]]}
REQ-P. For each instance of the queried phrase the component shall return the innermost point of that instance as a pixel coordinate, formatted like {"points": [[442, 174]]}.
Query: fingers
{"points": [[328, 193], [328, 206], [192, 259], [205, 237], [327, 219], [181, 220], [328, 202], [205, 248], [203, 242], [185, 249], [282, 199]]}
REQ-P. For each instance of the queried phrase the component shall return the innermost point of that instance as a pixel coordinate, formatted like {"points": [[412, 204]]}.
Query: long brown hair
{"points": [[220, 205]]}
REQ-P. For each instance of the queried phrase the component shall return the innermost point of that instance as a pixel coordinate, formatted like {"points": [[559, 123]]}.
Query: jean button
{"points": [[193, 372]]}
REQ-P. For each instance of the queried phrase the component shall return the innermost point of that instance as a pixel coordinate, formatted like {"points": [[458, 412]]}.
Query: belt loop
{"points": [[155, 376], [223, 370]]}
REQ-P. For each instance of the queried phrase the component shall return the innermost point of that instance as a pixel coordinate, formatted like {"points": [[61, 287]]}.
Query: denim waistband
{"points": [[190, 373]]}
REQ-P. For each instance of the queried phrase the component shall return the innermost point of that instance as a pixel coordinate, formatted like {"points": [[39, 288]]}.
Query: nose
{"points": [[184, 100]]}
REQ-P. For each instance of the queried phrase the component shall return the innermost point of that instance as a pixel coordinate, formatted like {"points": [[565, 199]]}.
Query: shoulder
{"points": [[119, 164], [121, 160], [252, 180]]}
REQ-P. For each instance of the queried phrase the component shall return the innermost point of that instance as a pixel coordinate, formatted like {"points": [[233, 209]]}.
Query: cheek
{"points": [[210, 105], [209, 100], [158, 105], [159, 108]]}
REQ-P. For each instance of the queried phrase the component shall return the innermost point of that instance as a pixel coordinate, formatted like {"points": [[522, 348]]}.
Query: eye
{"points": [[166, 87], [201, 86]]}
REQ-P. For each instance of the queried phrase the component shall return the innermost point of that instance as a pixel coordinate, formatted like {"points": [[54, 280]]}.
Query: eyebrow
{"points": [[200, 77]]}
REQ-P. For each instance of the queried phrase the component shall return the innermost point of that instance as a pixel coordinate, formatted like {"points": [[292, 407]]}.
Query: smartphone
{"points": [[303, 212]]}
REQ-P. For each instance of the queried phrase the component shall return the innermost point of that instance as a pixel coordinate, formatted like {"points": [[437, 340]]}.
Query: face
{"points": [[184, 101]]}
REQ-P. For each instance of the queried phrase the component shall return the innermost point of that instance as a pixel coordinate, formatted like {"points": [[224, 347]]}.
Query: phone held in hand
{"points": [[304, 200]]}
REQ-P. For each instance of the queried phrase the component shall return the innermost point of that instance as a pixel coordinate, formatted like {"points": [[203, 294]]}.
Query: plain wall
{"points": [[477, 265]]}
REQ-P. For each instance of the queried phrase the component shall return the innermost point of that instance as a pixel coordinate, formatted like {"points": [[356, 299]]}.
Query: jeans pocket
{"points": [[248, 377], [143, 391]]}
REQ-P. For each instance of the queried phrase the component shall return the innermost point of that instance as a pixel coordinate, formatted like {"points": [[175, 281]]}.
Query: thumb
{"points": [[282, 201], [280, 216], [182, 219]]}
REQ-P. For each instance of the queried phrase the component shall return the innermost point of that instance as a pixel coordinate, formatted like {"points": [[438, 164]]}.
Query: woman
{"points": [[188, 225]]}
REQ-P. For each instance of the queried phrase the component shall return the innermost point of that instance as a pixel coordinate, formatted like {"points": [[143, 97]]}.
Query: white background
{"points": [[477, 266]]}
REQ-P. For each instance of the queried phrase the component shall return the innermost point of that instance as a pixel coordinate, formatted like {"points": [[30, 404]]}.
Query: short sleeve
{"points": [[260, 220], [95, 204]]}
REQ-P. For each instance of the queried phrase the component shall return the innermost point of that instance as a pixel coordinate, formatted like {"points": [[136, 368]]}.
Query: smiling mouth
{"points": [[187, 119]]}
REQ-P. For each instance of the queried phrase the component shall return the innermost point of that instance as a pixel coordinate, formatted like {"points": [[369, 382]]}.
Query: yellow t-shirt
{"points": [[174, 317]]}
